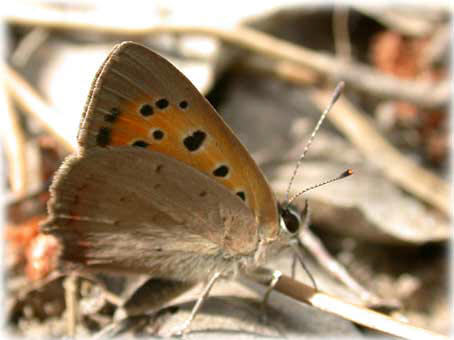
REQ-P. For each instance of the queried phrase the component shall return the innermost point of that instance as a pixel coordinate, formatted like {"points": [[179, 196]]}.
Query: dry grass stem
{"points": [[397, 167], [357, 314], [31, 102], [15, 148], [365, 78]]}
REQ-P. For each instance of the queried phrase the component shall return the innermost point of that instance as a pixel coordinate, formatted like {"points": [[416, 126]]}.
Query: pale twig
{"points": [[283, 69], [313, 244], [397, 167], [309, 241], [357, 314], [28, 45], [360, 76], [70, 287], [341, 34], [33, 104], [15, 148], [438, 46]]}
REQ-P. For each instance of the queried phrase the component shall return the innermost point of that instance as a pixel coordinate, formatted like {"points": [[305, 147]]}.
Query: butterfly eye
{"points": [[290, 220]]}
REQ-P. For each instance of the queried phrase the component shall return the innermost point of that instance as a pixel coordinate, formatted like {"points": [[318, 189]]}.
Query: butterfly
{"points": [[160, 185]]}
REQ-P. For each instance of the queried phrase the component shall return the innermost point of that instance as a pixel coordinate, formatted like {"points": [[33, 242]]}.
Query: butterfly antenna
{"points": [[337, 92], [346, 173]]}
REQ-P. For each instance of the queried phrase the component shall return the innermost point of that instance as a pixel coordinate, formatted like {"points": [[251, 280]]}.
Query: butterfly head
{"points": [[290, 218]]}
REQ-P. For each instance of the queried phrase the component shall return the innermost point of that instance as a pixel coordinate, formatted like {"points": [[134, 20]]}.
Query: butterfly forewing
{"points": [[140, 99]]}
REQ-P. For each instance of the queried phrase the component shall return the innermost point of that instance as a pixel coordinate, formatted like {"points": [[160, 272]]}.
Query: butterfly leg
{"points": [[184, 328], [293, 267], [276, 275]]}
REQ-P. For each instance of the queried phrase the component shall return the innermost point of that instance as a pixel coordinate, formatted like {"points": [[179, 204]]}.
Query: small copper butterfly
{"points": [[160, 184]]}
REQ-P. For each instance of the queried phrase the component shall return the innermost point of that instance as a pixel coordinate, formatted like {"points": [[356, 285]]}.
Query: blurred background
{"points": [[269, 69]]}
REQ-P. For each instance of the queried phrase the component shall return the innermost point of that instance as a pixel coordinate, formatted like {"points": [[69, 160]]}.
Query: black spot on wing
{"points": [[146, 110], [103, 137], [194, 141], [112, 117], [241, 195], [140, 143], [221, 171], [183, 104], [158, 134], [162, 103]]}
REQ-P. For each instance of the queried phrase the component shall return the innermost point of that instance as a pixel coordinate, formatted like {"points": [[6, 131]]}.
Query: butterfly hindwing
{"points": [[123, 209], [140, 99]]}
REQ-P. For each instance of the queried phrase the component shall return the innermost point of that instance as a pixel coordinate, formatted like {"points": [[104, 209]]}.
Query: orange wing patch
{"points": [[165, 127]]}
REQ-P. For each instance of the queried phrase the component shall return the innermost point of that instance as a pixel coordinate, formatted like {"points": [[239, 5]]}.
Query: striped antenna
{"points": [[337, 92], [346, 173]]}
